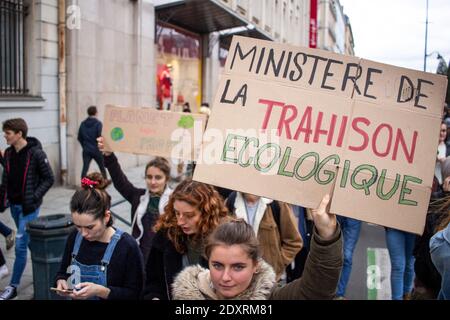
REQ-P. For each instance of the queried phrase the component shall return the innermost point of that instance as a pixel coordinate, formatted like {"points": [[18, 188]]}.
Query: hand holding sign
{"points": [[324, 221], [101, 146]]}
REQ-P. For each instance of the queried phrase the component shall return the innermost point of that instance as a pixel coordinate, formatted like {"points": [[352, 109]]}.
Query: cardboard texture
{"points": [[294, 123], [149, 131]]}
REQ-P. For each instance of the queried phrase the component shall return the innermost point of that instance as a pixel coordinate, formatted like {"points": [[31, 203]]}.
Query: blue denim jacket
{"points": [[440, 255]]}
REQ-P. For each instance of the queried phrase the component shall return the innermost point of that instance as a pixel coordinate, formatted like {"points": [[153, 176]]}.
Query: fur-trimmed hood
{"points": [[194, 283]]}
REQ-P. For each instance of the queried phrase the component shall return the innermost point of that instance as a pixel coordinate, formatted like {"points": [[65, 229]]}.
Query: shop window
{"points": [[178, 74]]}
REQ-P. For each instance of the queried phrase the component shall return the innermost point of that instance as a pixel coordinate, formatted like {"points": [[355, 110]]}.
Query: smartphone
{"points": [[62, 290]]}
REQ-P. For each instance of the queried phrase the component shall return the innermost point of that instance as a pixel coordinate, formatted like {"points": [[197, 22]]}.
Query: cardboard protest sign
{"points": [[292, 124], [154, 132]]}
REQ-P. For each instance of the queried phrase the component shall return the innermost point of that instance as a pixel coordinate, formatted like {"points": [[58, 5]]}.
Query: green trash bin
{"points": [[48, 236]]}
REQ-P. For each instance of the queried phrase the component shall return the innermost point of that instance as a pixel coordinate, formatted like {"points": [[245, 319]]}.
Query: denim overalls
{"points": [[95, 273]]}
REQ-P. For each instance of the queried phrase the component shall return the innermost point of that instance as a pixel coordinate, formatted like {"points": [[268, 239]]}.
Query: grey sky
{"points": [[393, 31]]}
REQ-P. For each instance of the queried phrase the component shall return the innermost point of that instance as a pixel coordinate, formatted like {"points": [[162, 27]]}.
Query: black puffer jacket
{"points": [[38, 177]]}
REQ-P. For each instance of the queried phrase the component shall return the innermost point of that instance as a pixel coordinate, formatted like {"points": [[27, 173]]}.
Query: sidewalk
{"points": [[56, 201]]}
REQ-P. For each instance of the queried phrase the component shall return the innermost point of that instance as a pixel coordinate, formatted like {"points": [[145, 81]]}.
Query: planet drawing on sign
{"points": [[186, 122], [117, 134]]}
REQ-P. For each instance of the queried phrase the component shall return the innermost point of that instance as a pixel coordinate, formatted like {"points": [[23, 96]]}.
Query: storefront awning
{"points": [[199, 16], [225, 40]]}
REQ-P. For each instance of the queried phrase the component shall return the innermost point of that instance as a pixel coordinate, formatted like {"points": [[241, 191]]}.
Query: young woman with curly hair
{"points": [[193, 212]]}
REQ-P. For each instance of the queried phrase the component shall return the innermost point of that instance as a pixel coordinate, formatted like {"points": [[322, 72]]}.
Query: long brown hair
{"points": [[201, 196], [441, 207], [445, 220]]}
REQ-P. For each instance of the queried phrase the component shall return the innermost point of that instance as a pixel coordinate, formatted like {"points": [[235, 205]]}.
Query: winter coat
{"points": [[90, 129], [279, 244], [37, 180], [164, 263], [319, 281]]}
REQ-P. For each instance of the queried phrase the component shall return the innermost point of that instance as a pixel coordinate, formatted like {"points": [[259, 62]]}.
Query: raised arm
{"points": [[118, 177]]}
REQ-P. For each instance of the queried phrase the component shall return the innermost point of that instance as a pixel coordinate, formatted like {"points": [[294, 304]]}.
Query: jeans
{"points": [[98, 157], [400, 245], [22, 240], [350, 233], [4, 229]]}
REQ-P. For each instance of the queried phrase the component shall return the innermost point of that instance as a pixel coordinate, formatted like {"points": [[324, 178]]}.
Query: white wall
{"points": [[110, 60]]}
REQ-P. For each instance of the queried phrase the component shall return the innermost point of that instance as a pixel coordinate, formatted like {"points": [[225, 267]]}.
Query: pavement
{"points": [[370, 280], [56, 201]]}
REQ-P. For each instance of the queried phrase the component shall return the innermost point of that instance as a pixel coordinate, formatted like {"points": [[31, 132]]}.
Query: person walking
{"points": [[26, 179], [90, 129]]}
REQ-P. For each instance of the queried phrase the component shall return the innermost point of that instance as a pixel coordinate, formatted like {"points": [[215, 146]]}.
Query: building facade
{"points": [[110, 60], [349, 41], [65, 55], [29, 70], [101, 53], [194, 37], [334, 31]]}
